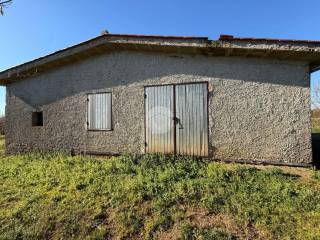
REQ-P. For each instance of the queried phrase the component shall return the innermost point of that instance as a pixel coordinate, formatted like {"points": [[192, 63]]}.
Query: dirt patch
{"points": [[202, 218]]}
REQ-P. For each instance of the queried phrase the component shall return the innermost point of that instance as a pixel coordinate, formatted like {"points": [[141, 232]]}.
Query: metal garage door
{"points": [[191, 115], [176, 119], [159, 109]]}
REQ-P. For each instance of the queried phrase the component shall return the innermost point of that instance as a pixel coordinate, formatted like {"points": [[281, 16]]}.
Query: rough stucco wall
{"points": [[258, 109]]}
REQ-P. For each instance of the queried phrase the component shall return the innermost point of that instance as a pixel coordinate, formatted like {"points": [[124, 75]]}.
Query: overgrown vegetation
{"points": [[315, 120], [1, 145], [2, 123], [315, 125], [55, 196]]}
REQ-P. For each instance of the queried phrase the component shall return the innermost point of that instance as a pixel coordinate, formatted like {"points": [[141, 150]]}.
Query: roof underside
{"points": [[296, 50]]}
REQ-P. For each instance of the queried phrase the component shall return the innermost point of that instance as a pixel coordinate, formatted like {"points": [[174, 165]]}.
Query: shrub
{"points": [[2, 125]]}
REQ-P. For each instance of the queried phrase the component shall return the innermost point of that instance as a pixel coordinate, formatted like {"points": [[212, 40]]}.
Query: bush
{"points": [[2, 123]]}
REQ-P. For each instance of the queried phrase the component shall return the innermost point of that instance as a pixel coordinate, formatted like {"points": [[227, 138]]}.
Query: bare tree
{"points": [[315, 96], [4, 4]]}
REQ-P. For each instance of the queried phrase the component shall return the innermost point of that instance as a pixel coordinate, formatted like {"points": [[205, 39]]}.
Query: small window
{"points": [[99, 111], [37, 119]]}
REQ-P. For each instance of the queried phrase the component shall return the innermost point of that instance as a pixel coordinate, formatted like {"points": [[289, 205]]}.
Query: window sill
{"points": [[99, 130]]}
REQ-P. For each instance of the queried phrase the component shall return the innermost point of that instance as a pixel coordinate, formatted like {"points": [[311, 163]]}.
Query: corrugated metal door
{"points": [[191, 115], [99, 111], [159, 107], [176, 119]]}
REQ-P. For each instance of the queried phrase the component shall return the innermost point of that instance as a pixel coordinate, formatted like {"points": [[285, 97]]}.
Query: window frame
{"points": [[87, 112]]}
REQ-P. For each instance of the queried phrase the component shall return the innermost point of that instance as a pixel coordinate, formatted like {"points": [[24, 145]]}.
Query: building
{"points": [[239, 99]]}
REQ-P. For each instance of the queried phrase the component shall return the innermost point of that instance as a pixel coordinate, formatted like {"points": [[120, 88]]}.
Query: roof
{"points": [[226, 45], [274, 40]]}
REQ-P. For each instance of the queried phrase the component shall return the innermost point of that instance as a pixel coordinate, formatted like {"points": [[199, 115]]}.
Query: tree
{"points": [[4, 4], [315, 96]]}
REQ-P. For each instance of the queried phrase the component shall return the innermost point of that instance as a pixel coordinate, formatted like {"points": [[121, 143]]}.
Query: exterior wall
{"points": [[259, 109]]}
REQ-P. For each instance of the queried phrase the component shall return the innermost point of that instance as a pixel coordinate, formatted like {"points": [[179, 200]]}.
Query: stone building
{"points": [[238, 99]]}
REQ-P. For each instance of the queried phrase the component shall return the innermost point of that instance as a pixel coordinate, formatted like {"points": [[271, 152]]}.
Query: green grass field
{"points": [[56, 196]]}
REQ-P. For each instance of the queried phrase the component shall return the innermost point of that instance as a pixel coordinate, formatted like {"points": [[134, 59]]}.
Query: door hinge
{"points": [[145, 95], [145, 144]]}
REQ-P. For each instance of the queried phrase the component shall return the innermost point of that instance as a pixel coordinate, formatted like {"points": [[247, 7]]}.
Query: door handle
{"points": [[177, 121]]}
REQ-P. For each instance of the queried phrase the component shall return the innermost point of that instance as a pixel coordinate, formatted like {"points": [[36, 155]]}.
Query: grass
{"points": [[55, 196], [1, 145]]}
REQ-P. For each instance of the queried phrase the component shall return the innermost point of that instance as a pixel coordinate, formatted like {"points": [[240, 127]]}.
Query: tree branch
{"points": [[3, 4]]}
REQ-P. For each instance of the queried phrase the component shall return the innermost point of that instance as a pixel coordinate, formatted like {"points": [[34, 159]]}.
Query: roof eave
{"points": [[301, 51], [99, 46]]}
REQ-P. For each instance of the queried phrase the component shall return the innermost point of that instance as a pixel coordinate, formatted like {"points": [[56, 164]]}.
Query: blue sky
{"points": [[33, 28]]}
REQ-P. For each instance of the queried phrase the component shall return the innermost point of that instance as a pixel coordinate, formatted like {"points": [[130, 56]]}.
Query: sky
{"points": [[33, 28]]}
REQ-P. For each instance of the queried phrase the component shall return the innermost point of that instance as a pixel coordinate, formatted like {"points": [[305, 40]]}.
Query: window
{"points": [[37, 119], [99, 111]]}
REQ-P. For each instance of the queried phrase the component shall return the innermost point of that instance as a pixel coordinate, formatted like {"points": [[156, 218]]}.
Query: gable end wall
{"points": [[259, 109]]}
